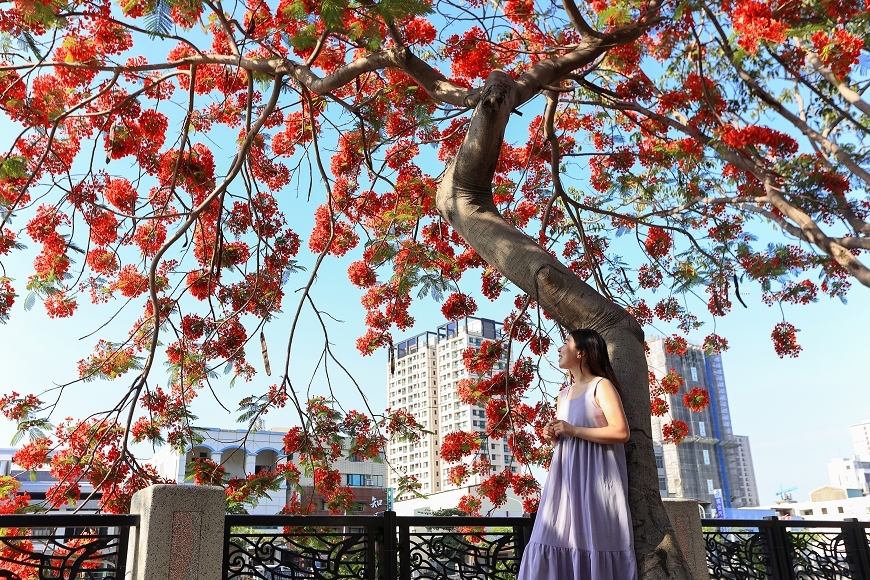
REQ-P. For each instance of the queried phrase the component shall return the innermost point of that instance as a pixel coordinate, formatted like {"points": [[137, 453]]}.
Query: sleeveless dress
{"points": [[583, 528]]}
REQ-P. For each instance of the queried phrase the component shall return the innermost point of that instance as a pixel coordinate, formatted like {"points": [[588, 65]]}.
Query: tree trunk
{"points": [[464, 199]]}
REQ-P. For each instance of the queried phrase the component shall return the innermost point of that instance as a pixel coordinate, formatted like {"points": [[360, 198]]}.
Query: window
{"points": [[356, 479], [694, 374], [709, 486], [706, 457], [702, 429], [824, 510], [840, 509]]}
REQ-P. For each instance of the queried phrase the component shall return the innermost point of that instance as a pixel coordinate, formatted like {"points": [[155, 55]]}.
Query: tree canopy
{"points": [[686, 124]]}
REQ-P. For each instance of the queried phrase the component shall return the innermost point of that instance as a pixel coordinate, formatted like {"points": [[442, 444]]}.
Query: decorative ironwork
{"points": [[450, 554], [303, 547], [465, 548], [819, 555], [774, 549], [54, 547], [737, 554]]}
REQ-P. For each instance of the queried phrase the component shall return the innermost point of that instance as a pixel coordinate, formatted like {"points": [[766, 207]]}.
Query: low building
{"points": [[826, 503], [850, 473], [450, 500], [243, 452], [37, 484]]}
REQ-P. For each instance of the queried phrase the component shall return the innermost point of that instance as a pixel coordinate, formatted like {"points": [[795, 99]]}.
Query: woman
{"points": [[583, 527]]}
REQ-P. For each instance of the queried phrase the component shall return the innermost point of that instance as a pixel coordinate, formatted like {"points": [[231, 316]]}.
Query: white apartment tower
{"points": [[422, 378], [861, 440]]}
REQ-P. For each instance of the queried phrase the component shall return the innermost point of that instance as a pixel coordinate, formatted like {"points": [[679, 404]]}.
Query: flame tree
{"points": [[683, 124]]}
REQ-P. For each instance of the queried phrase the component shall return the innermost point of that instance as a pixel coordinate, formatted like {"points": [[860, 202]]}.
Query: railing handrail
{"points": [[294, 520], [772, 523], [68, 520]]}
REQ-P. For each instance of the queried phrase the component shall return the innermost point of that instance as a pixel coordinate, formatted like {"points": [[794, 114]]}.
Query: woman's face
{"points": [[569, 356]]}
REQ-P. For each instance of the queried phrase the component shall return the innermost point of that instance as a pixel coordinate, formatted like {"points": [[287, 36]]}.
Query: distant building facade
{"points": [[861, 440], [827, 503], [422, 378], [36, 485], [711, 461], [745, 474], [242, 453]]}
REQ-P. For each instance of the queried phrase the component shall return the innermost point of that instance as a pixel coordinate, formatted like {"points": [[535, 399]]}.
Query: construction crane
{"points": [[785, 494]]}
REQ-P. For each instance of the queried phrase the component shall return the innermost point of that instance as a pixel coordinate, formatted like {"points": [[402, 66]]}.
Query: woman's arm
{"points": [[616, 430]]}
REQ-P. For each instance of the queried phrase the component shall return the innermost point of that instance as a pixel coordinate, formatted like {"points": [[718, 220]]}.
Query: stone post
{"points": [[180, 534], [686, 520]]}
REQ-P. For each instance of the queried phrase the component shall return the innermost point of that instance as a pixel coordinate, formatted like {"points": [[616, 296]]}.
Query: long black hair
{"points": [[593, 346]]}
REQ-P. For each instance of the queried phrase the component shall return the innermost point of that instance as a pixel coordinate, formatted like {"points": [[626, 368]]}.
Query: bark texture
{"points": [[465, 200]]}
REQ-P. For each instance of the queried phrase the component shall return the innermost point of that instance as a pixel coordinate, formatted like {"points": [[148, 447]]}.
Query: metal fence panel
{"points": [[88, 547]]}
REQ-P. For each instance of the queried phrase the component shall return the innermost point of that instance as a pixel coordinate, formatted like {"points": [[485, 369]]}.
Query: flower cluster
{"points": [[675, 431], [671, 382], [784, 337], [697, 399]]}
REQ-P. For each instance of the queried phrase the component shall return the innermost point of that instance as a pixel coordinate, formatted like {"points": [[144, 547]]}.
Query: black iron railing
{"points": [[774, 549], [48, 546], [373, 547], [386, 546]]}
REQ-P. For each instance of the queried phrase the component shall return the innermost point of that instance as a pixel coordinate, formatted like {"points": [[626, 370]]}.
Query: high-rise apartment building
{"points": [[422, 378], [745, 474], [711, 461], [861, 440]]}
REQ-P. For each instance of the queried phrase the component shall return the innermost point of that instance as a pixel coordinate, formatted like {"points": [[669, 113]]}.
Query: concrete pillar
{"points": [[250, 464], [180, 534], [686, 520], [216, 457]]}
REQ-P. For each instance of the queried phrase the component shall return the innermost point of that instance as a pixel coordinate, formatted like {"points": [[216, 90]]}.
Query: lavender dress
{"points": [[583, 527]]}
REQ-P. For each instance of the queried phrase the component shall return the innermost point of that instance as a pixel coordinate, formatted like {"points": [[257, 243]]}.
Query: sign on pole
{"points": [[720, 505], [390, 499]]}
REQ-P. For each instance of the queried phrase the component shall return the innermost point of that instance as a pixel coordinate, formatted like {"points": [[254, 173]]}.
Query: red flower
{"points": [[785, 341], [676, 345], [675, 431], [120, 193], [470, 505], [458, 444], [641, 312], [697, 399], [458, 306], [361, 274], [658, 243], [672, 382], [715, 344], [658, 407]]}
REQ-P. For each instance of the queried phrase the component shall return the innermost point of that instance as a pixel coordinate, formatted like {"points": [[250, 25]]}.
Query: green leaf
{"points": [[331, 11], [13, 167], [159, 19]]}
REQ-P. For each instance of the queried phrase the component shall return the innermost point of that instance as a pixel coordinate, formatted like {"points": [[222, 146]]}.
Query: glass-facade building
{"points": [[712, 461]]}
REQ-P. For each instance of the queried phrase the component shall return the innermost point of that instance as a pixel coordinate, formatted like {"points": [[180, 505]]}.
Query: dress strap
{"points": [[595, 388]]}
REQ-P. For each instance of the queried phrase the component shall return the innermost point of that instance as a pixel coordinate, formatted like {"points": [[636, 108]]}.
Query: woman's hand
{"points": [[549, 435], [559, 428]]}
